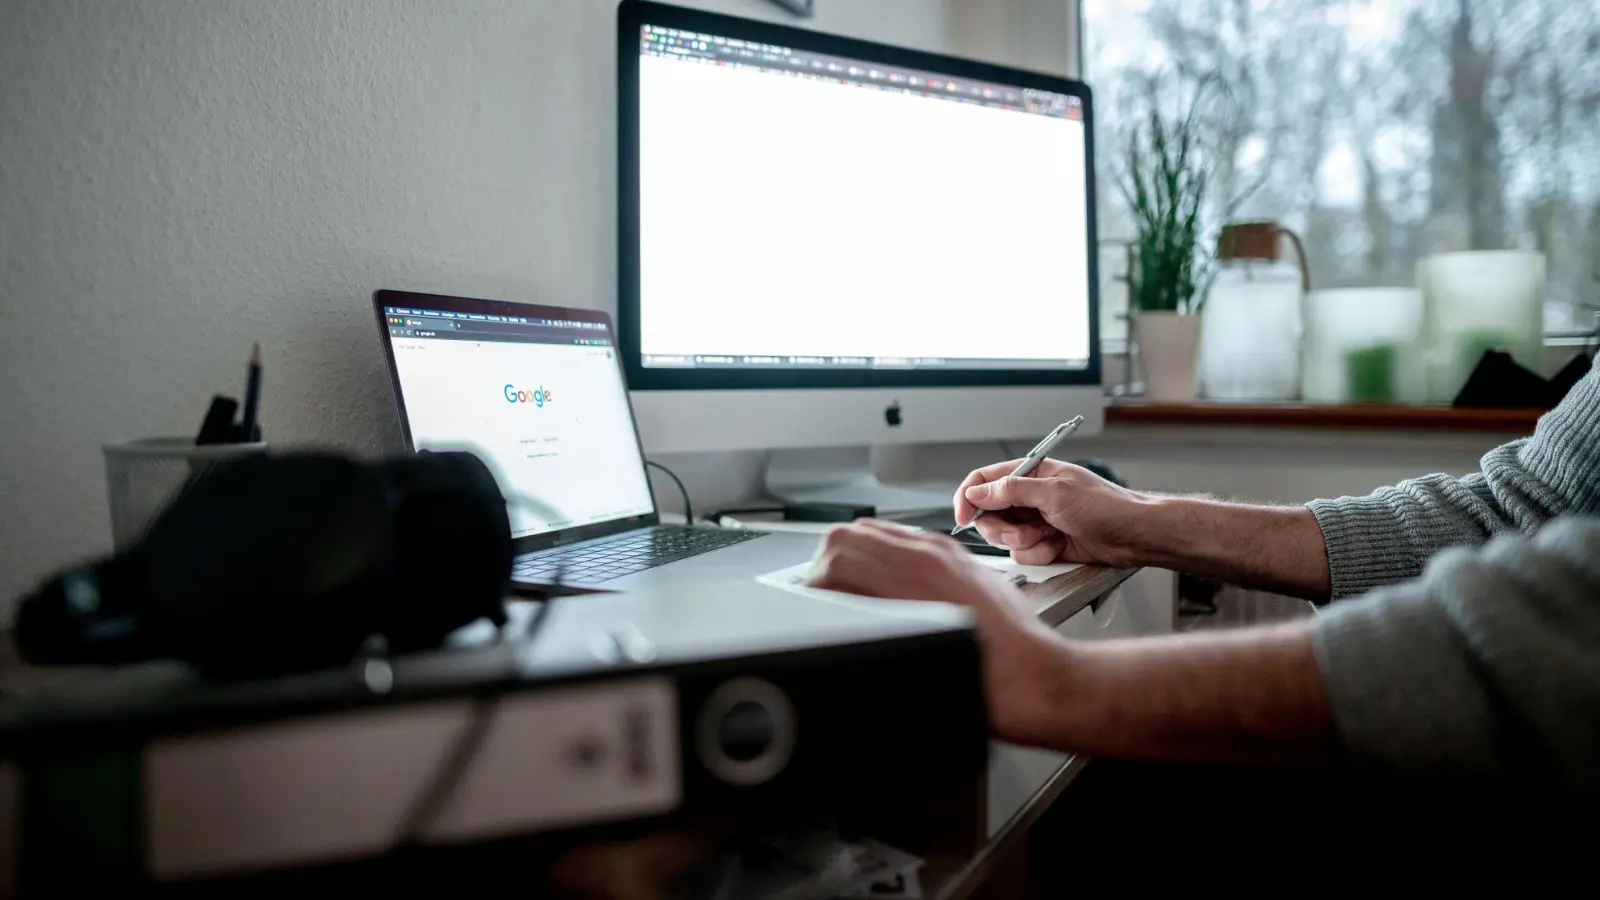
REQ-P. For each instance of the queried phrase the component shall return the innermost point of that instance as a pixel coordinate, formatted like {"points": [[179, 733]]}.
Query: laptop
{"points": [[537, 393]]}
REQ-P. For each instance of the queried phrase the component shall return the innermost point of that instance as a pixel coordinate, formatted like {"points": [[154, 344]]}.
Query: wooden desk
{"points": [[1067, 594]]}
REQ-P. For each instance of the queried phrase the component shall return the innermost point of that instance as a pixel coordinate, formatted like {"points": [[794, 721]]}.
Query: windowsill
{"points": [[1388, 417], [1119, 346], [1272, 414]]}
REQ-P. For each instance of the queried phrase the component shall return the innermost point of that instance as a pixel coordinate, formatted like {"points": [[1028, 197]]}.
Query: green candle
{"points": [[1369, 374]]}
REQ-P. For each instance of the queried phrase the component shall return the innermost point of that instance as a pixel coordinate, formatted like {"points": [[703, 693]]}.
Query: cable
{"points": [[716, 515], [447, 778], [468, 745], [688, 511]]}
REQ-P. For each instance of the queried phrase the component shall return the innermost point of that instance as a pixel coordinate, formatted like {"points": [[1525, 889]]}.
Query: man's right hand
{"points": [[1060, 512]]}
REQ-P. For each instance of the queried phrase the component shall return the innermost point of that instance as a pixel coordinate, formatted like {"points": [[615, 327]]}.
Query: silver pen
{"points": [[1030, 462]]}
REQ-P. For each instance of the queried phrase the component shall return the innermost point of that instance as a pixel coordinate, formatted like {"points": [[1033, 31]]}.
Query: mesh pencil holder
{"points": [[143, 476]]}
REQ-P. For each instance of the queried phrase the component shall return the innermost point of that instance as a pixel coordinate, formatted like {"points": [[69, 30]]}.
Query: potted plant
{"points": [[1164, 184]]}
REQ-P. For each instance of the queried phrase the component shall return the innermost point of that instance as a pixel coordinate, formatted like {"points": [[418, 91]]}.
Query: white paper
{"points": [[796, 578], [1035, 574]]}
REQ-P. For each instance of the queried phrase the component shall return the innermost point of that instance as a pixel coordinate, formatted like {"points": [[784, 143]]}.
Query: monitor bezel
{"points": [[632, 16]]}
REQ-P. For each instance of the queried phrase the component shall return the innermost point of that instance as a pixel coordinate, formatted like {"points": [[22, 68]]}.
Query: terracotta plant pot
{"points": [[1169, 343]]}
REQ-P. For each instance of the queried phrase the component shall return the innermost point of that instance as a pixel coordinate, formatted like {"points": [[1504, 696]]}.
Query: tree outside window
{"points": [[1380, 130]]}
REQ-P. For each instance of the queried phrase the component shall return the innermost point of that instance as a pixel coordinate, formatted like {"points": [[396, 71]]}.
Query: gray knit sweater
{"points": [[1488, 665]]}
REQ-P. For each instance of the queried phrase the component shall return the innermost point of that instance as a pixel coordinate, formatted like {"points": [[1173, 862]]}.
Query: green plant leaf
{"points": [[1164, 183]]}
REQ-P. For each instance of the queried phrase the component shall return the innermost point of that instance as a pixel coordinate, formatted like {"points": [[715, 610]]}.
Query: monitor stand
{"points": [[845, 475]]}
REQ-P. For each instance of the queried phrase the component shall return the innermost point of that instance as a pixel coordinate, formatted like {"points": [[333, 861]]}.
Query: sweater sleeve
{"points": [[1486, 667], [1389, 535]]}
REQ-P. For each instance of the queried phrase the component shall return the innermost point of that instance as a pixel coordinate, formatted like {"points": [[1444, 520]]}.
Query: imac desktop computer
{"points": [[828, 245]]}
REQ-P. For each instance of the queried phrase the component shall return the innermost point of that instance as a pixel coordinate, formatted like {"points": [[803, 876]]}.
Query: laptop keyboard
{"points": [[602, 561]]}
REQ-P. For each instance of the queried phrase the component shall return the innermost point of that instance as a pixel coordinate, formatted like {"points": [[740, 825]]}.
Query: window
{"points": [[1380, 130]]}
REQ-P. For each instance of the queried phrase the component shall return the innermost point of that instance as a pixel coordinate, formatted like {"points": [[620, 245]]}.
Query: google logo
{"points": [[537, 397]]}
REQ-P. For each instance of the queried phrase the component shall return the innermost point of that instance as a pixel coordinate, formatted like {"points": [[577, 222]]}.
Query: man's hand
{"points": [[1060, 512], [875, 559], [1242, 695]]}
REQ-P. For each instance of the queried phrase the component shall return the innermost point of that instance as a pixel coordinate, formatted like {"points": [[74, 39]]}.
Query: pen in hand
{"points": [[1037, 455]]}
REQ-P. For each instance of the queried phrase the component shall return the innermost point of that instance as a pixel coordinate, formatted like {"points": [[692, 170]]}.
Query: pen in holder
{"points": [[143, 476]]}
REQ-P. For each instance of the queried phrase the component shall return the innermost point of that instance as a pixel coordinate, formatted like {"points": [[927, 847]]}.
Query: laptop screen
{"points": [[541, 401]]}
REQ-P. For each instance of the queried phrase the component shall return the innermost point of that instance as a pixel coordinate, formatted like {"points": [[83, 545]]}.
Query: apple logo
{"points": [[891, 414]]}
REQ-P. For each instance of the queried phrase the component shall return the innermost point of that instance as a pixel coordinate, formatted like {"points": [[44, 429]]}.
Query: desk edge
{"points": [[1070, 592], [972, 876]]}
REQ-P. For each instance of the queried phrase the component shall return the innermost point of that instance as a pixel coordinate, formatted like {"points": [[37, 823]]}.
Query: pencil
{"points": [[252, 398]]}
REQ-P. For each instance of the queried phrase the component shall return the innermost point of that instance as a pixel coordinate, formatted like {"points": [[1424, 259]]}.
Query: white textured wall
{"points": [[1033, 34], [179, 178]]}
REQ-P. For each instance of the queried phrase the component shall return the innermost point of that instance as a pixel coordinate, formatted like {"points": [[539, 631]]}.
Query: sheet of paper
{"points": [[794, 578], [1035, 574]]}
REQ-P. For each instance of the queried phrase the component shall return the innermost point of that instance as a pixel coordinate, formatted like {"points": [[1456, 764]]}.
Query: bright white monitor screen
{"points": [[804, 210], [541, 403]]}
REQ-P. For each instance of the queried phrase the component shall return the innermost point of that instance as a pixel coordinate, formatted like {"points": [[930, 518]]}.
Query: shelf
{"points": [[1313, 415]]}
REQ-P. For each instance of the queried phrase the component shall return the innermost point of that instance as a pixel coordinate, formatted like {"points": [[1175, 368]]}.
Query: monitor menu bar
{"points": [[743, 361], [716, 50]]}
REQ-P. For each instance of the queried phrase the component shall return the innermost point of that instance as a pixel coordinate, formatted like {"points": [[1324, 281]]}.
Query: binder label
{"points": [[348, 786], [569, 757]]}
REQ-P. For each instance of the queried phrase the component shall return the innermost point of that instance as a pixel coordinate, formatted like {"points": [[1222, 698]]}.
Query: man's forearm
{"points": [[1246, 696], [1273, 548]]}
